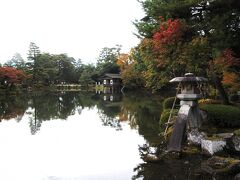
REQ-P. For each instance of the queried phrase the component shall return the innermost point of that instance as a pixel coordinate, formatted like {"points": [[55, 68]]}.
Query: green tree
{"points": [[87, 75], [107, 60], [33, 51], [47, 70], [78, 69], [33, 64], [66, 68], [17, 62]]}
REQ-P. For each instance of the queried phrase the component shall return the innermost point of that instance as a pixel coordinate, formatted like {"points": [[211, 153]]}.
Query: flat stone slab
{"points": [[214, 144], [225, 135], [220, 165]]}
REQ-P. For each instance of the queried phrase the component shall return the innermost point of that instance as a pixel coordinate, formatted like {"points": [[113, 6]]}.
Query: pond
{"points": [[80, 135]]}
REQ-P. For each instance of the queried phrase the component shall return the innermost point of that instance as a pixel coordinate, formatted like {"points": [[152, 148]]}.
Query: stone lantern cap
{"points": [[189, 77]]}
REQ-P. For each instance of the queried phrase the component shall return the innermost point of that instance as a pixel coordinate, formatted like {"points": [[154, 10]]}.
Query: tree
{"points": [[33, 51], [227, 66], [17, 62], [210, 27], [131, 77], [46, 71], [66, 68], [107, 60], [87, 75], [10, 76], [33, 64], [124, 60]]}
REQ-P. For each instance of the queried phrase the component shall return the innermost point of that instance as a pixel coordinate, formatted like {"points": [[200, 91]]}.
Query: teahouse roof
{"points": [[110, 76]]}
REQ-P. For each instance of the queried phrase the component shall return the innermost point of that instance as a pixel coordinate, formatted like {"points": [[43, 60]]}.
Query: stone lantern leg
{"points": [[189, 114]]}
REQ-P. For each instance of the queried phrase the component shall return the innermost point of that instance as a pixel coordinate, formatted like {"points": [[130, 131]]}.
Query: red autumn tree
{"points": [[227, 66], [170, 32], [10, 76], [168, 46]]}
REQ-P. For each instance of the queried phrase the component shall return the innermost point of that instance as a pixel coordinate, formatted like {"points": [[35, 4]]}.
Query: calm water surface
{"points": [[84, 136], [55, 136]]}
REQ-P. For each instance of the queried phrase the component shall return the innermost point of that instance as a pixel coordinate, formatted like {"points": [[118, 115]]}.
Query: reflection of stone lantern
{"points": [[189, 113]]}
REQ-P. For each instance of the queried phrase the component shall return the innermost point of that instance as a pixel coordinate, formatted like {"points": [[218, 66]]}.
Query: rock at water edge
{"points": [[211, 147]]}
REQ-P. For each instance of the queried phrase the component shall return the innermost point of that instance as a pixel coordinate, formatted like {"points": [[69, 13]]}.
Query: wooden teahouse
{"points": [[110, 82]]}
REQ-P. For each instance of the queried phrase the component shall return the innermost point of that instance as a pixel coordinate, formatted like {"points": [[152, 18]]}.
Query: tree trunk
{"points": [[221, 90]]}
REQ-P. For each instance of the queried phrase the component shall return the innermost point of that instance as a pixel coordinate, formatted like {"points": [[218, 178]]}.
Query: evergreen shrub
{"points": [[168, 102], [165, 115], [222, 115]]}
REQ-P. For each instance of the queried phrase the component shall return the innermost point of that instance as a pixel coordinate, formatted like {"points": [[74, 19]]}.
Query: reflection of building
{"points": [[111, 98], [109, 83]]}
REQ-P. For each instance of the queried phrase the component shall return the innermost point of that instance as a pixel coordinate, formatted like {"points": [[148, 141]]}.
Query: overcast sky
{"points": [[80, 28]]}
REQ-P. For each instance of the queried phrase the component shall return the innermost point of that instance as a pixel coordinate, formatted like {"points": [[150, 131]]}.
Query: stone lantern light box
{"points": [[189, 114], [189, 86]]}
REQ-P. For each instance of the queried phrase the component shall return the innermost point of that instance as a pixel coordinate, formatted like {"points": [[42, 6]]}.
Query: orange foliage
{"points": [[123, 61], [130, 77], [232, 80]]}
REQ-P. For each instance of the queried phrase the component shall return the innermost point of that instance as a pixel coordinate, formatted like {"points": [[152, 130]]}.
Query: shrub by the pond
{"points": [[165, 115], [222, 115], [168, 103]]}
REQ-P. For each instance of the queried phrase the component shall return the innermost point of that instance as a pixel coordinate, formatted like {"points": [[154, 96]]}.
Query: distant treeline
{"points": [[48, 69]]}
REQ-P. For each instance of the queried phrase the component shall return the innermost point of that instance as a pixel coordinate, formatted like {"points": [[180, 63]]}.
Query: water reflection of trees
{"points": [[12, 107], [44, 106], [109, 107], [50, 106], [141, 112]]}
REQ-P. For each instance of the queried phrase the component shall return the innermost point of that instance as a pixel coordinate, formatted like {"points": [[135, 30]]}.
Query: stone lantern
{"points": [[190, 94], [189, 114]]}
